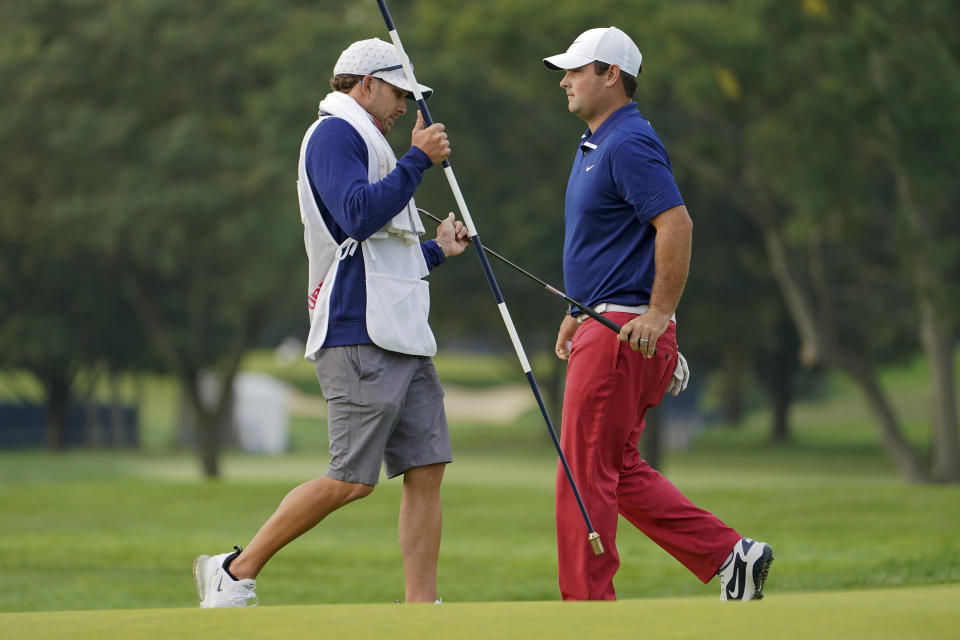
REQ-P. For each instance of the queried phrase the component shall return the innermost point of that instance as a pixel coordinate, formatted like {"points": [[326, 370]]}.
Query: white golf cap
{"points": [[379, 59], [608, 45]]}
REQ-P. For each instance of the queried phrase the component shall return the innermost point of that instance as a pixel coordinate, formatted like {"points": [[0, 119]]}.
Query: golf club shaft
{"points": [[607, 322], [593, 538]]}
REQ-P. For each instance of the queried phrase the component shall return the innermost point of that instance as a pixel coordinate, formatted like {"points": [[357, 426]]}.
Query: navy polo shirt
{"points": [[621, 179]]}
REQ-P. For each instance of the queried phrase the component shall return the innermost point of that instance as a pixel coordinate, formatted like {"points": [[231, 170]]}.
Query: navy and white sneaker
{"points": [[743, 574], [217, 587]]}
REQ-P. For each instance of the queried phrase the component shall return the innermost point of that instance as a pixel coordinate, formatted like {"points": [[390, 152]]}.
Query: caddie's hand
{"points": [[643, 331], [431, 140], [568, 327], [452, 236], [681, 376]]}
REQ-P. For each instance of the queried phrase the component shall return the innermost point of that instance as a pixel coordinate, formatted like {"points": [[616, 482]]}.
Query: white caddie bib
{"points": [[398, 299]]}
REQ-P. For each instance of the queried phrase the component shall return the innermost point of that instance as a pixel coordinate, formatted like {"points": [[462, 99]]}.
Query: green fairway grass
{"points": [[118, 530], [917, 613], [112, 531]]}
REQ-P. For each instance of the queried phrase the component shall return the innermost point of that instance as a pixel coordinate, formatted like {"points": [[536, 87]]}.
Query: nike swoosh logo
{"points": [[590, 167], [220, 584], [737, 585]]}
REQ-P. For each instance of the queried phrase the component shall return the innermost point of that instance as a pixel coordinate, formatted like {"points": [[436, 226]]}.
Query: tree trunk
{"points": [[781, 398], [777, 373], [58, 411], [939, 350], [935, 338], [211, 418], [733, 372], [931, 287], [208, 444], [820, 344], [905, 460], [796, 299], [205, 425], [115, 423]]}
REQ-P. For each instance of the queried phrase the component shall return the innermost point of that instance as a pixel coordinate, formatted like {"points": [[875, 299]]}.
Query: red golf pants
{"points": [[608, 390]]}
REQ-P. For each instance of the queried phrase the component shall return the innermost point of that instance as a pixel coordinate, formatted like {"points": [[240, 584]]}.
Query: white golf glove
{"points": [[681, 376]]}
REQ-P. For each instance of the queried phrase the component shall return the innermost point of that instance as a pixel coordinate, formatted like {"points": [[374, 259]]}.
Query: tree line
{"points": [[148, 216]]}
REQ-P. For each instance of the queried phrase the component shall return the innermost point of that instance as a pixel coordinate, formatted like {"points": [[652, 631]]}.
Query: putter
{"points": [[593, 537]]}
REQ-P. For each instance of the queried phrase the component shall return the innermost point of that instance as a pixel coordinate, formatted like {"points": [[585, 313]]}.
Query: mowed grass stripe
{"points": [[918, 613], [99, 531]]}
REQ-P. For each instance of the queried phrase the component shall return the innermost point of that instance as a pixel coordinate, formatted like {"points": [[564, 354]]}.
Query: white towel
{"points": [[381, 159]]}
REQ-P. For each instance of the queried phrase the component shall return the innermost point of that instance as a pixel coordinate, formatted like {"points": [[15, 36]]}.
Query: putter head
{"points": [[594, 539]]}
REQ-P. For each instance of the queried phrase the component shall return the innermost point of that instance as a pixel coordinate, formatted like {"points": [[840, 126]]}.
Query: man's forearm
{"points": [[672, 258]]}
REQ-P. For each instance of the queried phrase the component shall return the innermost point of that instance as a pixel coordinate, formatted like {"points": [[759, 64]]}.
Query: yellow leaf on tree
{"points": [[729, 84]]}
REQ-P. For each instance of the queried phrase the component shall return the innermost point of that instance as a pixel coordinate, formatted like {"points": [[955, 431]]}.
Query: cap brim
{"points": [[398, 78], [564, 61]]}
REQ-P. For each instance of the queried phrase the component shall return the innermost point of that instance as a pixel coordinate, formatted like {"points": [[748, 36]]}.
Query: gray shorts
{"points": [[383, 407]]}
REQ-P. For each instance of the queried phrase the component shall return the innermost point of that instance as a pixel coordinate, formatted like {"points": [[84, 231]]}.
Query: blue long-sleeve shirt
{"points": [[336, 163]]}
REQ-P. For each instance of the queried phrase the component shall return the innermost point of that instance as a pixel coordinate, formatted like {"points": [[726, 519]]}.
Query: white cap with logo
{"points": [[609, 45], [379, 59]]}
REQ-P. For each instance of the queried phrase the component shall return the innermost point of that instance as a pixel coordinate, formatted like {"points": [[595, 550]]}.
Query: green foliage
{"points": [[148, 151]]}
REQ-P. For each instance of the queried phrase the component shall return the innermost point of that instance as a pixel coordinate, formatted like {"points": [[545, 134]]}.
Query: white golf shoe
{"points": [[743, 574], [217, 588]]}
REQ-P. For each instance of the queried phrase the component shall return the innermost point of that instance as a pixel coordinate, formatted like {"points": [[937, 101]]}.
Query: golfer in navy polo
{"points": [[626, 253]]}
